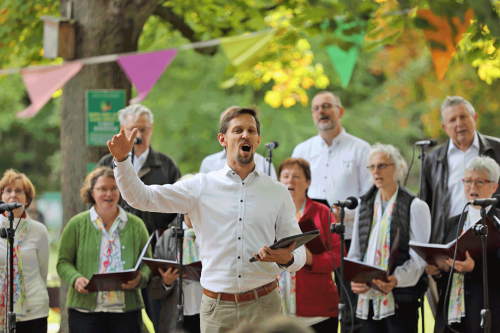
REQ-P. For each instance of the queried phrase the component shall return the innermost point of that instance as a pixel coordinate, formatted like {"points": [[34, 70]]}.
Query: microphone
{"points": [[429, 143], [272, 144], [137, 140], [486, 202], [349, 203], [9, 206]]}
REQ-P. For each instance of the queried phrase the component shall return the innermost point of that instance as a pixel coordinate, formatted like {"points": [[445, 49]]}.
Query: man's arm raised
{"points": [[119, 146]]}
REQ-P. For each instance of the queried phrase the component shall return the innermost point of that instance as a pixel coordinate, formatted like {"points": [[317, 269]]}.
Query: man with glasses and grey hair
{"points": [[337, 160], [217, 161], [153, 168], [442, 186]]}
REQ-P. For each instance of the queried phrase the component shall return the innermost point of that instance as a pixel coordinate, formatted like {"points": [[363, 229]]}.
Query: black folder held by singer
{"points": [[113, 281], [360, 272], [300, 240]]}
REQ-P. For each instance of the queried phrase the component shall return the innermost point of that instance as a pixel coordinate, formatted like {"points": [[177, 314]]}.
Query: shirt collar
{"points": [[475, 143], [143, 156], [336, 140], [226, 170], [122, 214]]}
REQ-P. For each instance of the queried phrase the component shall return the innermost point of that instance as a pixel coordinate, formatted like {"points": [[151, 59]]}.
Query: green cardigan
{"points": [[79, 256]]}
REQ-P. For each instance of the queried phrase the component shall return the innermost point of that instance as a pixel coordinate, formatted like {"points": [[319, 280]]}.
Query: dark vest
{"points": [[400, 220]]}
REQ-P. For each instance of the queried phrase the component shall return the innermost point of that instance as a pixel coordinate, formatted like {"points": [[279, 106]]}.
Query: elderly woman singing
{"points": [[466, 294], [386, 208]]}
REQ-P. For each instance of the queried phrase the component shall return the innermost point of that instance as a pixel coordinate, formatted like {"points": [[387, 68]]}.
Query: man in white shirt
{"points": [[218, 160], [442, 186], [338, 166], [234, 212]]}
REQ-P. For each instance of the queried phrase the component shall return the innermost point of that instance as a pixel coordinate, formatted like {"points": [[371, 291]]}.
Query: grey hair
{"points": [[484, 164], [455, 100], [136, 110], [335, 97], [395, 156]]}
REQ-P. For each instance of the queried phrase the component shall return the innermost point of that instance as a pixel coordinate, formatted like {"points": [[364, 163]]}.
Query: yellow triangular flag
{"points": [[245, 52]]}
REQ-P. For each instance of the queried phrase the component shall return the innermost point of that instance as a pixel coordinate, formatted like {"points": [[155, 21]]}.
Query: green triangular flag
{"points": [[343, 62], [245, 52]]}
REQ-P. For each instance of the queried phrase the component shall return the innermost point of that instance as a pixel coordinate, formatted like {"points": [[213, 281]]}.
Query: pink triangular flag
{"points": [[143, 70], [42, 83]]}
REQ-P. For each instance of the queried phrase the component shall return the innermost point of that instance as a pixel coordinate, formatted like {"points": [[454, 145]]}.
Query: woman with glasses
{"points": [[310, 294], [104, 239], [31, 259], [465, 300], [386, 208]]}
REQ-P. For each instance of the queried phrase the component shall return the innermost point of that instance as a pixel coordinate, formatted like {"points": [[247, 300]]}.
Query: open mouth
{"points": [[324, 118], [473, 196], [108, 200], [291, 189], [246, 147]]}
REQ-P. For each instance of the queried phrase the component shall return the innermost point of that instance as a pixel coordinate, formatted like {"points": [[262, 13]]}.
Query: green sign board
{"points": [[102, 115]]}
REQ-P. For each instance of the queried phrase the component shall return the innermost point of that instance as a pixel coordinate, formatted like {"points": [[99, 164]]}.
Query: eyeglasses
{"points": [[479, 182], [103, 190], [380, 166], [8, 191], [324, 106], [142, 130]]}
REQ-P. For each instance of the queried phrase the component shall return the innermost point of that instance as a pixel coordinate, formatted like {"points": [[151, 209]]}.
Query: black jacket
{"points": [[159, 169], [473, 285], [435, 182]]}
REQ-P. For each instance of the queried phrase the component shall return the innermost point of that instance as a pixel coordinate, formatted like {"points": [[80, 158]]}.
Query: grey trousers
{"points": [[222, 316]]}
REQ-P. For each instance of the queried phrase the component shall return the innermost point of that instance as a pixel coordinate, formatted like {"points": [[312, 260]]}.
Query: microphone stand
{"points": [[179, 234], [8, 233], [340, 230], [269, 159], [482, 230]]}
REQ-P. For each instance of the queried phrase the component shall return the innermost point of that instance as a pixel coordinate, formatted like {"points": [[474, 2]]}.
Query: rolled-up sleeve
{"points": [[287, 225]]}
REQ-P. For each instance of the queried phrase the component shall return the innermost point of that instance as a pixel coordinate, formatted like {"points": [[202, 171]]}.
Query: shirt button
{"points": [[233, 173], [325, 177], [239, 237], [239, 257], [240, 219], [243, 183], [241, 200], [123, 246], [239, 276], [327, 165]]}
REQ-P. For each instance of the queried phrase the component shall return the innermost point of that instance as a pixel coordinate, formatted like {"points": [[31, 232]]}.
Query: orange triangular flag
{"points": [[443, 38]]}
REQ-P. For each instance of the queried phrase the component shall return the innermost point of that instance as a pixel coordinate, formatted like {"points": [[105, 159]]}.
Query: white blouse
{"points": [[35, 255]]}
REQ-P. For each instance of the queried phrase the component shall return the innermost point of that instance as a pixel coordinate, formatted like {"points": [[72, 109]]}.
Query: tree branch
{"points": [[178, 23]]}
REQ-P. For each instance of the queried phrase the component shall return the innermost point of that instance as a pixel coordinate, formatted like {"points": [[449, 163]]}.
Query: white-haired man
{"points": [[217, 161], [442, 186]]}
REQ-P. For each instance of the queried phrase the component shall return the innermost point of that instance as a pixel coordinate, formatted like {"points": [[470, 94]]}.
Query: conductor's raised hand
{"points": [[120, 145], [280, 256]]}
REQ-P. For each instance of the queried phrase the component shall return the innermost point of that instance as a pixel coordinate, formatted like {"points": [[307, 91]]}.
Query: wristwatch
{"points": [[288, 264]]}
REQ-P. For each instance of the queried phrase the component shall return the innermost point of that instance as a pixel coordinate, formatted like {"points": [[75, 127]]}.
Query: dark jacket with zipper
{"points": [[435, 182], [400, 221], [473, 285], [159, 169]]}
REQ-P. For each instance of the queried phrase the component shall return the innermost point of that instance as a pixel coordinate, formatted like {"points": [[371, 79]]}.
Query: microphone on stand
{"points": [[137, 140], [272, 145], [428, 143], [486, 202], [9, 206], [349, 203]]}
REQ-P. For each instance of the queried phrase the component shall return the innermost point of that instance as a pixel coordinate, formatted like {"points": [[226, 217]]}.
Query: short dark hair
{"points": [[291, 161], [89, 183], [233, 113]]}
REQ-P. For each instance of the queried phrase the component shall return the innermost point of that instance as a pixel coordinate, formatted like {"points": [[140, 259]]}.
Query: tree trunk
{"points": [[103, 27]]}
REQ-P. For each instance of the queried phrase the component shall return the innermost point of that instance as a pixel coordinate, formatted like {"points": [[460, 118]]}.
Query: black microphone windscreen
{"points": [[354, 203], [137, 140], [276, 144], [433, 142]]}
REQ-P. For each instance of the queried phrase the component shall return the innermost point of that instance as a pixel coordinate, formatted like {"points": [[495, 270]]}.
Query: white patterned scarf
{"points": [[383, 306]]}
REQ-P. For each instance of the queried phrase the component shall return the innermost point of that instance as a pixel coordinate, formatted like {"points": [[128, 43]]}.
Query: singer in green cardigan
{"points": [[103, 239]]}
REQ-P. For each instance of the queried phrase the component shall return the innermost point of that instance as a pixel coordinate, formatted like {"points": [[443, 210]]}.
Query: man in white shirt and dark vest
{"points": [[338, 163], [235, 211], [218, 160]]}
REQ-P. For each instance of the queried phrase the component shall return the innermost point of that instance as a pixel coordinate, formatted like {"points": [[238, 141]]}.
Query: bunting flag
{"points": [[244, 52], [345, 61], [143, 70], [443, 37], [42, 83]]}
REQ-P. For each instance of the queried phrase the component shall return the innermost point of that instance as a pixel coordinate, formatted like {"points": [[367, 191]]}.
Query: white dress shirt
{"points": [[337, 171], [217, 161], [139, 161], [457, 160], [420, 231], [35, 254], [232, 219]]}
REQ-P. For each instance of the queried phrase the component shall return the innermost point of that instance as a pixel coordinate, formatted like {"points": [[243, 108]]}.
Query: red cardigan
{"points": [[316, 293]]}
